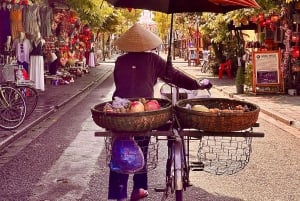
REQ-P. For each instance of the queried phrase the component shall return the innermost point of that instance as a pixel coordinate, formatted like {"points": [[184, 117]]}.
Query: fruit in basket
{"points": [[151, 105], [200, 108], [214, 110], [136, 106]]}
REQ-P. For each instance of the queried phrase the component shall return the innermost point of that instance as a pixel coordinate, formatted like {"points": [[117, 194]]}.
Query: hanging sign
{"points": [[267, 76]]}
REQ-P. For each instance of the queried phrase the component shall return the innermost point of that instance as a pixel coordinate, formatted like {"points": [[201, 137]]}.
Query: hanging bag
{"points": [[126, 157]]}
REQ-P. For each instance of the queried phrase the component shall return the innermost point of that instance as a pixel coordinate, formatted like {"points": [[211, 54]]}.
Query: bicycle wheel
{"points": [[12, 109], [205, 67], [178, 169], [179, 195], [31, 98]]}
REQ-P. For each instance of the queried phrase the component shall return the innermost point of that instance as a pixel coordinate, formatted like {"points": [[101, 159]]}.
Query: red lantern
{"points": [[296, 37], [129, 9], [268, 21], [254, 19], [261, 17], [296, 51], [262, 23], [274, 18]]}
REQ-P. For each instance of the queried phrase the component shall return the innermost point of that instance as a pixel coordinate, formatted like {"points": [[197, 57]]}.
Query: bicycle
{"points": [[204, 63], [12, 108], [178, 164], [30, 95], [28, 92]]}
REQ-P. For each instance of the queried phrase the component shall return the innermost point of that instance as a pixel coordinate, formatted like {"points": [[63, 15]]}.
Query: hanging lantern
{"points": [[274, 18], [295, 51], [262, 23], [296, 37], [254, 19], [261, 17], [268, 21]]}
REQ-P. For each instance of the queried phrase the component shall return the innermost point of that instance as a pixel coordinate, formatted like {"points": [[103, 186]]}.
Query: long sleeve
{"points": [[169, 74], [136, 74]]}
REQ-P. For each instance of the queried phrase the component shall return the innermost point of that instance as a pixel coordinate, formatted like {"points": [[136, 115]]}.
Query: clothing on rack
{"points": [[46, 14], [36, 68], [91, 62], [4, 24], [16, 22], [22, 48], [31, 19]]}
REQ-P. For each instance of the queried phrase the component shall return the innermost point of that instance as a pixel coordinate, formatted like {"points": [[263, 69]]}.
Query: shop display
{"points": [[66, 46]]}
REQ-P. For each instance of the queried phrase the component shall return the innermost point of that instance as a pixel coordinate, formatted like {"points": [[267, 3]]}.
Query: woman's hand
{"points": [[205, 84]]}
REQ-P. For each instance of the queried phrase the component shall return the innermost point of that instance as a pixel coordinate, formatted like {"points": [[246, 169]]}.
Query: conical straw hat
{"points": [[138, 39]]}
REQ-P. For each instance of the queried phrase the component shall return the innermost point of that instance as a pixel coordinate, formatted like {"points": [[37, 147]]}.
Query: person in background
{"points": [[135, 75]]}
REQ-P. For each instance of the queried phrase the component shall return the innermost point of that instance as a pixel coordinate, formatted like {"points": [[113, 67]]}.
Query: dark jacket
{"points": [[136, 73]]}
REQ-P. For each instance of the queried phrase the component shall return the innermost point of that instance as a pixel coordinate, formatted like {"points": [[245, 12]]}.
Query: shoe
{"points": [[138, 194]]}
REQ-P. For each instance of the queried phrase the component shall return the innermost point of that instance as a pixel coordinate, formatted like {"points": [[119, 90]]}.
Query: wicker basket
{"points": [[216, 122], [133, 122]]}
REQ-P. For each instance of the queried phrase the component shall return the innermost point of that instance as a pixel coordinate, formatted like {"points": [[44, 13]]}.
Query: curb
{"points": [[285, 120], [268, 113]]}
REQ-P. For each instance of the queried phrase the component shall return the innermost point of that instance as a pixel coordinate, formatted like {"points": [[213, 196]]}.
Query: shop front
{"points": [[48, 42], [274, 52]]}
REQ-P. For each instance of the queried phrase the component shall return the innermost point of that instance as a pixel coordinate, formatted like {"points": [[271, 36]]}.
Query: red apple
{"points": [[136, 106], [152, 105]]}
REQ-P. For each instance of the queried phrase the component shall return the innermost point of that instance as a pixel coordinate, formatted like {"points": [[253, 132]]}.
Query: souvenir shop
{"points": [[275, 51], [47, 43]]}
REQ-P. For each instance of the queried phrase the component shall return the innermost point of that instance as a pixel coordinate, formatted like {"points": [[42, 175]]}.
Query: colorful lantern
{"points": [[295, 51]]}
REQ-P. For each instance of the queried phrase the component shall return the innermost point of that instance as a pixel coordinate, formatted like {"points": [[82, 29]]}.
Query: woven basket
{"points": [[216, 122], [133, 122]]}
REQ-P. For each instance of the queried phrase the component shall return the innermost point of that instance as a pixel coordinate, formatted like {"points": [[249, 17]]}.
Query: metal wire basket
{"points": [[151, 159], [224, 155]]}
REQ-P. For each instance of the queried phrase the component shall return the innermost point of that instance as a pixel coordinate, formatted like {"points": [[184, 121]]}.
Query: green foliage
{"points": [[163, 24], [240, 76], [249, 75]]}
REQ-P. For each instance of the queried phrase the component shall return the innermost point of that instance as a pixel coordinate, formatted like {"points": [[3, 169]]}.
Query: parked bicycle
{"points": [[28, 92], [204, 64], [12, 107], [30, 95]]}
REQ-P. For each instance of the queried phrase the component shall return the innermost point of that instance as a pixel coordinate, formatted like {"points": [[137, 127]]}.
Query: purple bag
{"points": [[126, 156]]}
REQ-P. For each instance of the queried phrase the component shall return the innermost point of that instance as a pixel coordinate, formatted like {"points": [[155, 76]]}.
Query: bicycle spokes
{"points": [[13, 108]]}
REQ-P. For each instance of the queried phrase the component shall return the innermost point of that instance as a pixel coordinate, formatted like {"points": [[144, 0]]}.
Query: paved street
{"points": [[280, 107], [66, 162]]}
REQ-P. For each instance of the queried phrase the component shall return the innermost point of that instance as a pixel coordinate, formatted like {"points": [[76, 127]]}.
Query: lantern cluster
{"points": [[268, 22]]}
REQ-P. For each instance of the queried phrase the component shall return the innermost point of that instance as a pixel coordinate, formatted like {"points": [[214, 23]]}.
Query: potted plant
{"points": [[240, 80]]}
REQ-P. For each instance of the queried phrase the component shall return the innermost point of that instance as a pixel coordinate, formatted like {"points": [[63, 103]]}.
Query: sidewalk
{"points": [[54, 97], [281, 107]]}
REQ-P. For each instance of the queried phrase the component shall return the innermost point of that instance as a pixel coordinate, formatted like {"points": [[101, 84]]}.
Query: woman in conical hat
{"points": [[135, 74]]}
